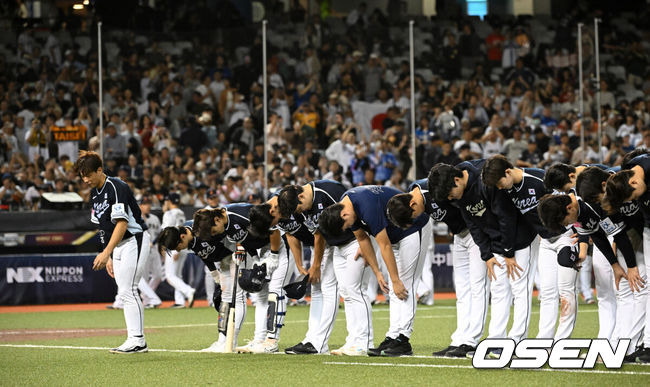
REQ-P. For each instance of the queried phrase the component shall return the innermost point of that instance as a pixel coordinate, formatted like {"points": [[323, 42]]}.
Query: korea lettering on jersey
{"points": [[290, 225], [239, 235], [436, 213], [477, 209]]}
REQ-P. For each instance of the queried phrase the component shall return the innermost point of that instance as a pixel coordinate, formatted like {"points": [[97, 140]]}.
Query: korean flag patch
{"points": [[320, 206], [237, 227], [531, 191]]}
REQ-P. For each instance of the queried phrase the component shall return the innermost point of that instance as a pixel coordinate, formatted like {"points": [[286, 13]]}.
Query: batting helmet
{"points": [[252, 280], [297, 290]]}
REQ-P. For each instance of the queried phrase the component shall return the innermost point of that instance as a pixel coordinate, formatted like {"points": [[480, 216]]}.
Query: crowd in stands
{"points": [[187, 117]]}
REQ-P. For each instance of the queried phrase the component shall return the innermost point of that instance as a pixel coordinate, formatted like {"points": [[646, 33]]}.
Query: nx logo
{"points": [[24, 274], [535, 353]]}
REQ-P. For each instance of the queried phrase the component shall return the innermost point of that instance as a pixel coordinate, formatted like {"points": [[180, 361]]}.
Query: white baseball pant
{"points": [[129, 259], [409, 258], [646, 256], [324, 305], [425, 286], [630, 306], [585, 278], [174, 273], [472, 287], [605, 293], [352, 276], [505, 290], [226, 275]]}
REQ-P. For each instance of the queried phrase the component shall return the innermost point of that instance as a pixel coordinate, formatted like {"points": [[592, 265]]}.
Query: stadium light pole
{"points": [[582, 108], [411, 174], [597, 55], [101, 94], [265, 109]]}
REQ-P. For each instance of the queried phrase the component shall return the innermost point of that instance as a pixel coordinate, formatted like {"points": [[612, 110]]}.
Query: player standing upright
{"points": [[126, 245], [470, 281]]}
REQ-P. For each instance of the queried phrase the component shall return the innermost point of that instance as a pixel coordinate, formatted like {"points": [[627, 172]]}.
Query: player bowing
{"points": [[305, 204], [211, 252], [470, 281], [363, 210]]}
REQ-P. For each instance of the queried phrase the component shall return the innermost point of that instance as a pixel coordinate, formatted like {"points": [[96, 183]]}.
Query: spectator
{"points": [[114, 144]]}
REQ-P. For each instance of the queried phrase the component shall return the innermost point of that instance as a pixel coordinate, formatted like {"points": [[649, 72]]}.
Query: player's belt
{"points": [[463, 233]]}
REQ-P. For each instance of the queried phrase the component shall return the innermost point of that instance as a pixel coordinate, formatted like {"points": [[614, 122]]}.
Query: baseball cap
{"points": [[173, 197], [6, 176], [212, 193], [146, 199]]}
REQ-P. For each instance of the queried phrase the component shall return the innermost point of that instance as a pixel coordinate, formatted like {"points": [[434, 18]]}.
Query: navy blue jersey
{"points": [[526, 196], [112, 202], [236, 230], [326, 193], [210, 251], [643, 161], [294, 226], [440, 211], [369, 202], [494, 222]]}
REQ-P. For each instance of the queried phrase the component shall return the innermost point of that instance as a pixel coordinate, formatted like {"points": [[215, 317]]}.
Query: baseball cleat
{"points": [[495, 353], [177, 306], [388, 341], [248, 347], [131, 345], [190, 298], [444, 351], [352, 350], [218, 346], [266, 346], [643, 356], [151, 306], [460, 351], [400, 347], [631, 358], [301, 349]]}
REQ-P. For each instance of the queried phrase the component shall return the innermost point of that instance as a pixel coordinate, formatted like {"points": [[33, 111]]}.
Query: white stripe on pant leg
{"points": [[646, 255], [640, 299], [462, 286], [548, 292], [605, 295]]}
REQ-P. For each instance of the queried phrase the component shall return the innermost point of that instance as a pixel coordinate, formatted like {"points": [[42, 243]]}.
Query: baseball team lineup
{"points": [[507, 224]]}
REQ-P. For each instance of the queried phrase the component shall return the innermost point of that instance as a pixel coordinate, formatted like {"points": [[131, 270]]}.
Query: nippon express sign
{"points": [[47, 274]]}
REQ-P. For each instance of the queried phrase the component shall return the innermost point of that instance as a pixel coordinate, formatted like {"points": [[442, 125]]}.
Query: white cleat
{"points": [[248, 348], [350, 351], [216, 347], [190, 298], [131, 345], [266, 346]]}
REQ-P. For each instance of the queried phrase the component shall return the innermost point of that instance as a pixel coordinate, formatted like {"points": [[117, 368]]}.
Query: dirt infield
{"points": [[165, 304], [14, 335]]}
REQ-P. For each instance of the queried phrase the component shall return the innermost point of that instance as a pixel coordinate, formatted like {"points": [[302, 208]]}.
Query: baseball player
{"points": [[153, 270], [631, 183], [233, 222], [305, 204], [126, 245], [211, 252], [557, 254], [505, 241], [174, 261], [212, 198], [470, 280], [630, 297], [363, 210]]}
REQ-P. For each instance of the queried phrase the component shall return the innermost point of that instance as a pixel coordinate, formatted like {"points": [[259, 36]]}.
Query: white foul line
{"points": [[422, 365]]}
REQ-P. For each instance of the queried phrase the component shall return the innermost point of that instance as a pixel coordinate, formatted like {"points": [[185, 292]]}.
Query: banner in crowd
{"points": [[365, 112], [53, 279], [69, 133]]}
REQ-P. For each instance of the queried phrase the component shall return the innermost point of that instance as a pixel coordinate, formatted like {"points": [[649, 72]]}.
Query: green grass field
{"points": [[174, 336]]}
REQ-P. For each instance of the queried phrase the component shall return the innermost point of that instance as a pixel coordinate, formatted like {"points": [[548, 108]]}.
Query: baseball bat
{"points": [[230, 329]]}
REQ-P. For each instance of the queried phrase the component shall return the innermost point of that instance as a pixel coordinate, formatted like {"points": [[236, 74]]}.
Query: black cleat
{"points": [[444, 351], [631, 358], [126, 349], [387, 343], [400, 347], [460, 351], [301, 349], [643, 356]]}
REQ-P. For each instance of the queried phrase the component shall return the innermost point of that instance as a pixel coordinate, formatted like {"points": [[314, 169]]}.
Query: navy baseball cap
{"points": [[173, 197]]}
